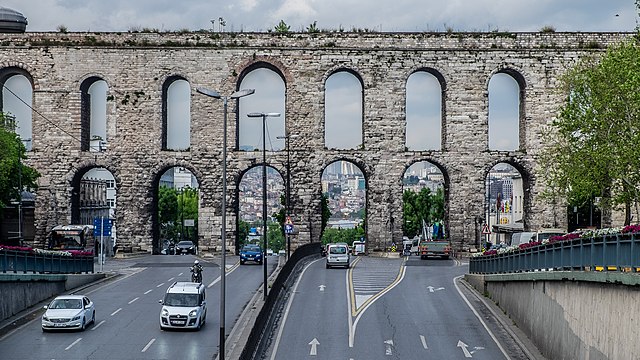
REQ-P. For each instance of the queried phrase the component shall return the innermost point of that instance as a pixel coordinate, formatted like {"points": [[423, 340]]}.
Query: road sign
{"points": [[288, 220], [485, 229], [288, 228], [102, 227]]}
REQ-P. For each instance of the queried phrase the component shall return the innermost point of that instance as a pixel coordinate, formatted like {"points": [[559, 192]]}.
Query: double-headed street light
{"points": [[223, 268], [288, 189], [264, 117]]}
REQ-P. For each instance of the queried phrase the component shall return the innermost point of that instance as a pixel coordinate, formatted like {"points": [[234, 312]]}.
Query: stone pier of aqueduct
{"points": [[137, 65]]}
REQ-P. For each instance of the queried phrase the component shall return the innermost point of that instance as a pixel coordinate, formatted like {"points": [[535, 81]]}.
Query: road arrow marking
{"points": [[424, 341], [322, 287], [432, 289], [476, 348], [314, 347], [464, 346], [389, 344]]}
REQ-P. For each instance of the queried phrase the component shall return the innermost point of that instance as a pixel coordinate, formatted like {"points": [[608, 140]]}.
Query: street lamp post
{"points": [[223, 268], [288, 190], [264, 117]]}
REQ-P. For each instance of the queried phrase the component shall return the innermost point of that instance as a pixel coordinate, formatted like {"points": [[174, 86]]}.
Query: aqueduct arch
{"points": [[137, 64]]}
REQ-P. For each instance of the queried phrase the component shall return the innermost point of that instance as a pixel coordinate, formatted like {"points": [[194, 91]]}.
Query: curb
{"points": [[237, 339]]}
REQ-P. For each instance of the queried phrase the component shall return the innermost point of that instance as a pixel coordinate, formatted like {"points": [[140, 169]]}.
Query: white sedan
{"points": [[68, 312]]}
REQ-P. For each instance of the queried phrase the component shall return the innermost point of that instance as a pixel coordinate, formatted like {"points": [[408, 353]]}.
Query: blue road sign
{"points": [[288, 228], [102, 227]]}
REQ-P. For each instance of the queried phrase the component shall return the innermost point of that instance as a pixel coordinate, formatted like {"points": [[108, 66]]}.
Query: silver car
{"points": [[338, 255], [68, 312]]}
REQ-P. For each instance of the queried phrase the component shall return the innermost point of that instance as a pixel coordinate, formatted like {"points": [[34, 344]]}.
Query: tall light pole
{"points": [[264, 117], [223, 267], [288, 190]]}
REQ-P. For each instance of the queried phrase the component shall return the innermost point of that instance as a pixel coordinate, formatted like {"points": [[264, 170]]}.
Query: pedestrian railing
{"points": [[18, 261], [614, 252]]}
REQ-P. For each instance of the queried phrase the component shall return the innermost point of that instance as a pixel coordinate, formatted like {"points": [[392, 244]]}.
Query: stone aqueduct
{"points": [[136, 65]]}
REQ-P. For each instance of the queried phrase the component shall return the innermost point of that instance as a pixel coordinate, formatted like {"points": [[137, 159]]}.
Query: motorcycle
{"points": [[196, 274]]}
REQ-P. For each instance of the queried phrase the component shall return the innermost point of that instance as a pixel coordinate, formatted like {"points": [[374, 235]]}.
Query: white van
{"points": [[357, 247], [338, 255]]}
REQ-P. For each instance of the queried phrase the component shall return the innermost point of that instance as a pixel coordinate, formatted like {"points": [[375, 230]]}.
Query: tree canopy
{"points": [[420, 206], [15, 176], [594, 142]]}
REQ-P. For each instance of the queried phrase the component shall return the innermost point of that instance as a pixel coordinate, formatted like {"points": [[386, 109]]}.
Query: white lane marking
{"points": [[352, 328], [389, 348], [180, 274], [134, 300], [148, 344], [286, 312], [170, 280], [229, 270], [73, 343], [314, 347], [424, 341], [478, 316], [160, 285], [97, 326], [464, 346], [148, 291], [115, 312]]}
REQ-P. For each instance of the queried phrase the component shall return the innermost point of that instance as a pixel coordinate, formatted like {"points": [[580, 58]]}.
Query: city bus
{"points": [[71, 237]]}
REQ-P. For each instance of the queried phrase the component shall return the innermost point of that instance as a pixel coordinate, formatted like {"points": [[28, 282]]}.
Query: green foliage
{"points": [[421, 206], [326, 212], [173, 207], [594, 145], [281, 215], [14, 174], [243, 232], [348, 236], [276, 237], [313, 28], [282, 28]]}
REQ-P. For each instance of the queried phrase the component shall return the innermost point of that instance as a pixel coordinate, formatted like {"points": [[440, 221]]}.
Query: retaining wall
{"points": [[571, 315]]}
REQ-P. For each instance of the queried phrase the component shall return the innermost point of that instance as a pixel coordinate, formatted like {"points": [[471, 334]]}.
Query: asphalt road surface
{"points": [[127, 316], [386, 308]]}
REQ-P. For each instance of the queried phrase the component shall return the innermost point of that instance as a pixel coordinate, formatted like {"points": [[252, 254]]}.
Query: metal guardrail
{"points": [[616, 252], [256, 342], [25, 262]]}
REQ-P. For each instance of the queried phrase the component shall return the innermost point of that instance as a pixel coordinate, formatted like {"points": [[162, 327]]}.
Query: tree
{"points": [[418, 207], [167, 212], [325, 211], [282, 28], [276, 237], [595, 142], [15, 176], [243, 232]]}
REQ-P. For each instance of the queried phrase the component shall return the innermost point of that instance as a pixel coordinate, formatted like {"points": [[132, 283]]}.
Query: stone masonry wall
{"points": [[135, 66]]}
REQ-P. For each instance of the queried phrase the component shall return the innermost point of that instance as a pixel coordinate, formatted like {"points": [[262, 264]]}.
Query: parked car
{"points": [[185, 247], [251, 253], [338, 255], [270, 252], [184, 306], [68, 312]]}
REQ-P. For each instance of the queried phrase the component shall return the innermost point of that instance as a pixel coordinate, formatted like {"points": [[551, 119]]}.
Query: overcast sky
{"points": [[379, 15]]}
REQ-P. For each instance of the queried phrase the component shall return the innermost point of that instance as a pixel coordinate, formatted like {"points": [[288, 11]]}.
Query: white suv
{"points": [[184, 306]]}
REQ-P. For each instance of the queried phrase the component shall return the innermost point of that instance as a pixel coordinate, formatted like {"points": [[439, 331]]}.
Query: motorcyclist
{"points": [[196, 272]]}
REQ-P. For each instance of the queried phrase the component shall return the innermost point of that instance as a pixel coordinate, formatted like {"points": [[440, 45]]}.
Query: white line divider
{"points": [[160, 285], [134, 300], [148, 291], [97, 326], [115, 312], [73, 343], [149, 345]]}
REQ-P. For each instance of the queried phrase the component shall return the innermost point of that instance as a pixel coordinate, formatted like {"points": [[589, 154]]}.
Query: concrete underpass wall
{"points": [[20, 292], [568, 315]]}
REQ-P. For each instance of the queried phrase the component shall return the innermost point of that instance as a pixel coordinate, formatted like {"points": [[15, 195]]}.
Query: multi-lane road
{"points": [[380, 308], [385, 308], [127, 316]]}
